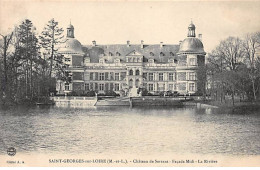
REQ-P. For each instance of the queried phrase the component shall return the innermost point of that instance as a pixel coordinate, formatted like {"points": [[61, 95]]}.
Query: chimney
{"points": [[94, 43], [128, 43], [142, 44], [200, 37], [180, 42], [161, 44]]}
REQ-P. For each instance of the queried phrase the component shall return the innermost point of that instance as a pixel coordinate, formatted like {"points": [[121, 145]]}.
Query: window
{"points": [[117, 60], [116, 87], [150, 87], [192, 61], [86, 86], [151, 54], [150, 76], [145, 75], [160, 76], [91, 76], [118, 54], [171, 54], [192, 86], [171, 77], [131, 72], [137, 83], [101, 60], [116, 76], [101, 87], [161, 54], [171, 87], [87, 60], [192, 76], [130, 83], [67, 86], [137, 72], [101, 76], [111, 76], [110, 54]]}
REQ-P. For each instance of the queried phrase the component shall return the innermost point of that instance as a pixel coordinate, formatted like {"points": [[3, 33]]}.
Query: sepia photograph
{"points": [[100, 83]]}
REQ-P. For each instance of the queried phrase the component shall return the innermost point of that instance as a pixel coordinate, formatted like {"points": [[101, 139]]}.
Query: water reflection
{"points": [[129, 130]]}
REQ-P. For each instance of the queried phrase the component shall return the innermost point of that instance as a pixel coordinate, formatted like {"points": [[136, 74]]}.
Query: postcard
{"points": [[129, 83]]}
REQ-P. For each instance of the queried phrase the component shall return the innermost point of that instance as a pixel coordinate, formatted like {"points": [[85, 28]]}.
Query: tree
{"points": [[4, 52], [251, 44], [224, 61], [51, 37], [27, 48]]}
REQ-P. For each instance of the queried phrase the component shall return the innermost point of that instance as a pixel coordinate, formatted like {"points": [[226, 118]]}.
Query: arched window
{"points": [[137, 83], [131, 72], [130, 83], [117, 54], [137, 72]]}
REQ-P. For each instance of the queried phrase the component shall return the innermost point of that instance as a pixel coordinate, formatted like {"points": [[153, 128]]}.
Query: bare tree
{"points": [[251, 45], [224, 61], [6, 44]]}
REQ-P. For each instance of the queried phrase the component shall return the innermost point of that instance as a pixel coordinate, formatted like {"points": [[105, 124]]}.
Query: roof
{"points": [[71, 46], [156, 52], [192, 45]]}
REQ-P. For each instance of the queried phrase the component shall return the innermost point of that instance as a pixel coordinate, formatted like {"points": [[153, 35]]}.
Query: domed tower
{"points": [[191, 44], [190, 74], [73, 56], [71, 46]]}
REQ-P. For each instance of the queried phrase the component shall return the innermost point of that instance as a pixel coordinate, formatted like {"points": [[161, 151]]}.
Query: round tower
{"points": [[190, 71]]}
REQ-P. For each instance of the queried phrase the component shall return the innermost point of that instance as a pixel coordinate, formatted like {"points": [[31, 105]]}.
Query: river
{"points": [[123, 130]]}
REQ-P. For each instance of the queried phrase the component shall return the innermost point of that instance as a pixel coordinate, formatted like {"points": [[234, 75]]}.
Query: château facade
{"points": [[121, 67]]}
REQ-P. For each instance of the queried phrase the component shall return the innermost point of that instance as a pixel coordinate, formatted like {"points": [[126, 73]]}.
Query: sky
{"points": [[115, 22]]}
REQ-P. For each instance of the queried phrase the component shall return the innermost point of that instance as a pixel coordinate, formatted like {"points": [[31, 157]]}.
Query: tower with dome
{"points": [[192, 52], [73, 57], [158, 68]]}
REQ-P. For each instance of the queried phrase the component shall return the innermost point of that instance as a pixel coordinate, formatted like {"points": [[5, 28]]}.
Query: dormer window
{"points": [[117, 60], [161, 54], [151, 54], [101, 60], [118, 54], [87, 60], [151, 60]]}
